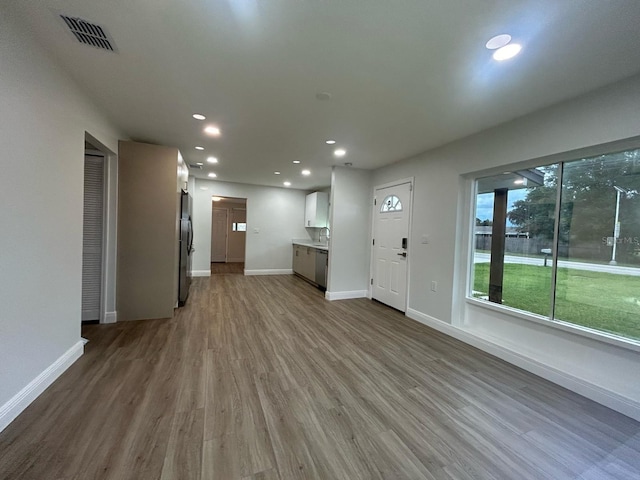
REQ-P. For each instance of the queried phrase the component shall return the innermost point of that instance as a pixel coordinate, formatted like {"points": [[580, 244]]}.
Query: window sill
{"points": [[611, 339]]}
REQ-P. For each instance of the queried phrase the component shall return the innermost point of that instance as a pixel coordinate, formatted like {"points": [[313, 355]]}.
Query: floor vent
{"points": [[89, 33]]}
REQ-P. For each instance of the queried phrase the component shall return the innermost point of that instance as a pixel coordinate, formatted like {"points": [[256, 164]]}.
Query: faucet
{"points": [[326, 237]]}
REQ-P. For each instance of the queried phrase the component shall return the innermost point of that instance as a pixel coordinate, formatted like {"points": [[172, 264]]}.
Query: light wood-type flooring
{"points": [[221, 268], [261, 378]]}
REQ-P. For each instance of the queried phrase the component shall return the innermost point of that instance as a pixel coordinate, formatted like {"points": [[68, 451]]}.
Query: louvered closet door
{"points": [[92, 237]]}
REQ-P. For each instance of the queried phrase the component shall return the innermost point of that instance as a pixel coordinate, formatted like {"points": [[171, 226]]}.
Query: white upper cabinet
{"points": [[317, 210]]}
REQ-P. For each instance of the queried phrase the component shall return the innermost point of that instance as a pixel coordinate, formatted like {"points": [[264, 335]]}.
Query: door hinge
{"points": [[372, 281], [374, 241], [374, 201], [411, 187]]}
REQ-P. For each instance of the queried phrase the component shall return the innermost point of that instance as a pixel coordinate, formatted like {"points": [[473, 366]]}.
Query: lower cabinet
{"points": [[304, 262], [297, 259]]}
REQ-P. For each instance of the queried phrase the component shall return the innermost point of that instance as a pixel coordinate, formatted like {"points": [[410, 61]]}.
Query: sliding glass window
{"points": [[562, 241]]}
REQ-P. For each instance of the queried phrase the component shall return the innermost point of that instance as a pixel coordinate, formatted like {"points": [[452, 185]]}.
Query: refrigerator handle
{"points": [[190, 241]]}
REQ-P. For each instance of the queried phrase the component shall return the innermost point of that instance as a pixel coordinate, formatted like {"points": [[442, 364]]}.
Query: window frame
{"points": [[550, 320], [391, 209]]}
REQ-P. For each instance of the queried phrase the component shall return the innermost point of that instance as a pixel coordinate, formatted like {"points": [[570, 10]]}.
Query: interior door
{"points": [[390, 245], [92, 237], [237, 235], [219, 235]]}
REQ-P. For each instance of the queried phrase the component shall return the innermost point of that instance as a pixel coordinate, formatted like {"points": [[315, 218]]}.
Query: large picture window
{"points": [[563, 241]]}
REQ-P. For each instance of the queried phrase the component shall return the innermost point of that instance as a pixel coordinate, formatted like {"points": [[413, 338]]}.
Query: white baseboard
{"points": [[270, 271], [587, 389], [10, 410], [110, 317], [345, 295], [200, 273]]}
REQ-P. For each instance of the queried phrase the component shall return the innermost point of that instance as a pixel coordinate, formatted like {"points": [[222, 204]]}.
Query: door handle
{"points": [[403, 254]]}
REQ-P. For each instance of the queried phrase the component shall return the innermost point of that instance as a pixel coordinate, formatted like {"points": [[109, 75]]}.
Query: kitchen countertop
{"points": [[310, 243]]}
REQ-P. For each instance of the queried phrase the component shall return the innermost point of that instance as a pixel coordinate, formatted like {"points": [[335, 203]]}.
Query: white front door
{"points": [[219, 235], [390, 242]]}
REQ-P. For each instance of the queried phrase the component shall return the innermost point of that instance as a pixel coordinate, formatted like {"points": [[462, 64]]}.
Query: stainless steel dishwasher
{"points": [[322, 263]]}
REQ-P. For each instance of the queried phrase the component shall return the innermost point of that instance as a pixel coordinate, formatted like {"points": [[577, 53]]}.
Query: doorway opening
{"points": [[98, 233], [228, 234]]}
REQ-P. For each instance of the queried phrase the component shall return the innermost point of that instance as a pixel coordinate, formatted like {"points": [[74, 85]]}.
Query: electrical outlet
{"points": [[256, 230], [425, 239], [434, 286]]}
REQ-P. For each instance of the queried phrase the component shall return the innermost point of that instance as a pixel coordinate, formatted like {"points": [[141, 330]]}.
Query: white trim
{"points": [[395, 183], [576, 329], [110, 210], [98, 313], [110, 317], [200, 273], [21, 400], [270, 271], [345, 295], [587, 389]]}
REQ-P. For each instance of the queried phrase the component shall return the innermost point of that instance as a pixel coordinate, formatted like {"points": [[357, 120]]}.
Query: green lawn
{"points": [[602, 301]]}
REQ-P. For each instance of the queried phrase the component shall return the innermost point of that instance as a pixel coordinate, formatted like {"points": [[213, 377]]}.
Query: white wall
{"points": [[441, 210], [43, 119], [277, 213], [350, 219]]}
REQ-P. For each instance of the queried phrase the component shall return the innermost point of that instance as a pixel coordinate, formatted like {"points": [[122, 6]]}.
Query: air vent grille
{"points": [[89, 33], [194, 165]]}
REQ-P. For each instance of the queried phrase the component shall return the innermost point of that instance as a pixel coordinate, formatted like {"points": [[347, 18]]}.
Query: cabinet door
{"points": [[297, 259], [322, 209], [309, 267], [310, 210], [316, 210]]}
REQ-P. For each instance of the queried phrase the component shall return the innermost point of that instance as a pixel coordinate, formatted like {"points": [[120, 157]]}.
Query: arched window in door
{"points": [[391, 204]]}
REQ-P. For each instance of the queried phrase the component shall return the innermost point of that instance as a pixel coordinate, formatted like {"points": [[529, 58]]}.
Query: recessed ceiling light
{"points": [[212, 130], [498, 41], [212, 160], [287, 184], [204, 188], [296, 161], [199, 148], [323, 96], [200, 163], [519, 182], [507, 52], [212, 175], [216, 199], [330, 142], [198, 116], [306, 172], [276, 173], [341, 152]]}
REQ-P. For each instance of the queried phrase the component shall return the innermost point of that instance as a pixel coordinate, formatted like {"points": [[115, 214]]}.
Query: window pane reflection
{"points": [[598, 279]]}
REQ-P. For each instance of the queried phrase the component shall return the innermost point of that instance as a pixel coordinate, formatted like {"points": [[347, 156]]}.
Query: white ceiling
{"points": [[404, 75]]}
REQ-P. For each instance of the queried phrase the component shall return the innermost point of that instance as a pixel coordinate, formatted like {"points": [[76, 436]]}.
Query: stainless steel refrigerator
{"points": [[186, 248]]}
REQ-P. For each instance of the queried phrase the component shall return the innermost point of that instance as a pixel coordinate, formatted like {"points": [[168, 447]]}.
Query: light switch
{"points": [[256, 230]]}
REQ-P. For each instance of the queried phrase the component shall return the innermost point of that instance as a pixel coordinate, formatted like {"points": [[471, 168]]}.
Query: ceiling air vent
{"points": [[89, 33], [195, 165]]}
